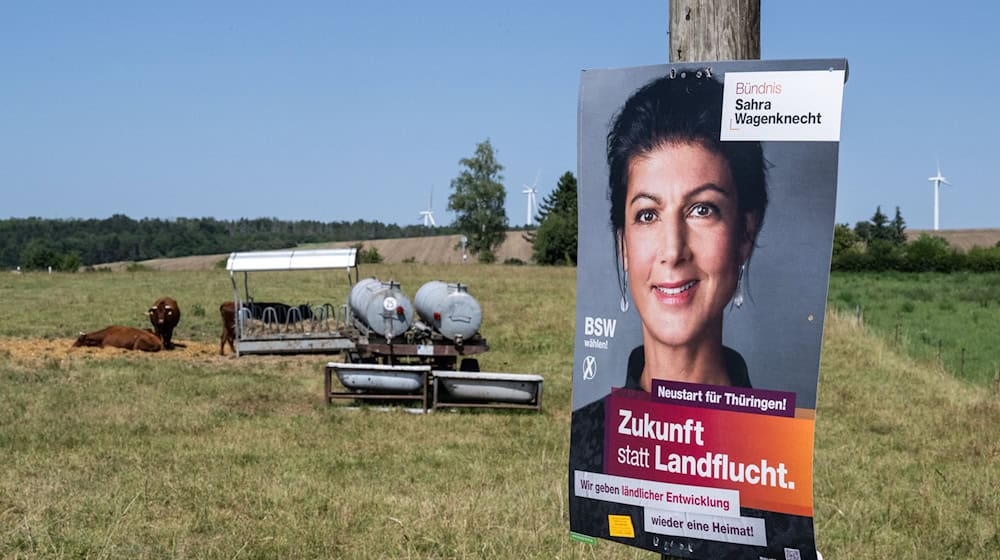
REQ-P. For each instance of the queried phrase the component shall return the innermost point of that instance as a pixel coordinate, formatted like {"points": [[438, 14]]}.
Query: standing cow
{"points": [[164, 315], [228, 312]]}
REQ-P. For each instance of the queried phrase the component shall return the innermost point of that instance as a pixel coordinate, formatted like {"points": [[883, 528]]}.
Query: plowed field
{"points": [[963, 239]]}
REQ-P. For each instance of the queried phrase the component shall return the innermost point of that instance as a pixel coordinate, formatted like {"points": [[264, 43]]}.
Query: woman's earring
{"points": [[624, 301], [738, 298]]}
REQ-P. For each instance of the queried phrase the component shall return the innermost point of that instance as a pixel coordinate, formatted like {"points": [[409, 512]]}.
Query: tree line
{"points": [[880, 244], [38, 243], [478, 196], [477, 199]]}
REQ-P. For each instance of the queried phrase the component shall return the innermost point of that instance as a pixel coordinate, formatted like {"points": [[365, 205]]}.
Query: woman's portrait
{"points": [[686, 210], [705, 261]]}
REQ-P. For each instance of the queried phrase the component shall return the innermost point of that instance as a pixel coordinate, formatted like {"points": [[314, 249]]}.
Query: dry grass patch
{"points": [[906, 466], [37, 350]]}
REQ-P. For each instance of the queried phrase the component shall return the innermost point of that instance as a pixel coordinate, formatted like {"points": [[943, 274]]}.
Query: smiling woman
{"points": [[686, 210], [663, 403]]}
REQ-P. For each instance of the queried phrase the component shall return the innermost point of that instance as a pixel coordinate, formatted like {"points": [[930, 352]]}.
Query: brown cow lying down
{"points": [[228, 312], [122, 337]]}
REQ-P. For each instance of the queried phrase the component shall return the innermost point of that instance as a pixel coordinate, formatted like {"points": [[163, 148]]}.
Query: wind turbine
{"points": [[429, 214], [937, 179], [530, 191]]}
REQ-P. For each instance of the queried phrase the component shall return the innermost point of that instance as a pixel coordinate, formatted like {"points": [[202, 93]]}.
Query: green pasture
{"points": [[185, 454], [951, 319]]}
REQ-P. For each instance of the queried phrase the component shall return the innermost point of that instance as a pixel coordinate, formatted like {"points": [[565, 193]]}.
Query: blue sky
{"points": [[353, 110]]}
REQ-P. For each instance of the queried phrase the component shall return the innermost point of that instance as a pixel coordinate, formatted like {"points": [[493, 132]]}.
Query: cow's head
{"points": [[163, 314]]}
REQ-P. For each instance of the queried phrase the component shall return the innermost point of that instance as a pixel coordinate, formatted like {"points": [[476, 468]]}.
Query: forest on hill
{"points": [[38, 243]]}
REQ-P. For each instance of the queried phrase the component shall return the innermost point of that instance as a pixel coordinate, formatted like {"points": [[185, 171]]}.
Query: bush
{"points": [[71, 262], [514, 261], [851, 260], [844, 239], [983, 259], [410, 260], [884, 255], [368, 256], [925, 254], [556, 241], [136, 267], [928, 254], [486, 257], [39, 255]]}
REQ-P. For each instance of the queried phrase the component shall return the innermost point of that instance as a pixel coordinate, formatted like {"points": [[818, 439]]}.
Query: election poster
{"points": [[707, 195]]}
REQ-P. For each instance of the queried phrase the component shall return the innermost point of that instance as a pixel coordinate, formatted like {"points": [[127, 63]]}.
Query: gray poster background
{"points": [[779, 329]]}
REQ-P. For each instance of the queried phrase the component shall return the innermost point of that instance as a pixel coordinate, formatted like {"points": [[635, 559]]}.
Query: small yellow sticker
{"points": [[620, 526]]}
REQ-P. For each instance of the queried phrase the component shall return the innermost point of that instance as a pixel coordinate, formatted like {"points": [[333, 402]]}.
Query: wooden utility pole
{"points": [[704, 30], [714, 30]]}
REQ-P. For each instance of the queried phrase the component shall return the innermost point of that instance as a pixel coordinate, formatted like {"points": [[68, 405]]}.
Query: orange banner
{"points": [[767, 459]]}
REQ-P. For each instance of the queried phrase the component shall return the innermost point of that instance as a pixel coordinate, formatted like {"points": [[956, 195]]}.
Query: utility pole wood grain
{"points": [[714, 30]]}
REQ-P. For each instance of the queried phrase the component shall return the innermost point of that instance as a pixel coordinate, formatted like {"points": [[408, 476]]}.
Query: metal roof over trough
{"points": [[295, 259]]}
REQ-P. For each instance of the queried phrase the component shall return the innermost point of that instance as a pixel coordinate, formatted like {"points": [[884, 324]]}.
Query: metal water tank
{"points": [[381, 306], [449, 309]]}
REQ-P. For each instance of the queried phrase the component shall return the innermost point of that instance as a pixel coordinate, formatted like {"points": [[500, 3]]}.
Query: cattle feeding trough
{"points": [[280, 328]]}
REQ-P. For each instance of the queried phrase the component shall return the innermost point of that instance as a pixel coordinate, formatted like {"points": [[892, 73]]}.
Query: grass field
{"points": [[951, 319], [185, 454]]}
